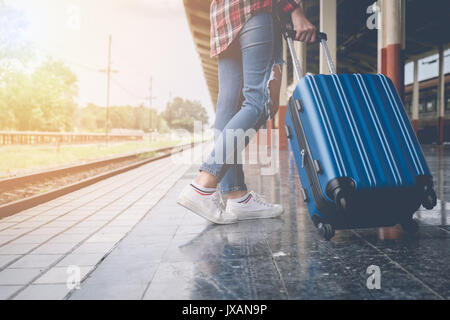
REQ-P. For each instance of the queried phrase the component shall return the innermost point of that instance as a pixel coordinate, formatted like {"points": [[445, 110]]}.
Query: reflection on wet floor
{"points": [[438, 158], [173, 254]]}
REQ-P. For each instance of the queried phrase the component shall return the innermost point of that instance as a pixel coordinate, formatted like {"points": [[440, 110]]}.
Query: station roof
{"points": [[426, 26], [197, 12]]}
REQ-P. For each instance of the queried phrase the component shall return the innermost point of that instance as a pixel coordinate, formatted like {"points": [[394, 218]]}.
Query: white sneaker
{"points": [[253, 206], [206, 206]]}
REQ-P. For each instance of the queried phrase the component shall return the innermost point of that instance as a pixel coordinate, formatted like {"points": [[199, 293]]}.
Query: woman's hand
{"points": [[306, 32]]}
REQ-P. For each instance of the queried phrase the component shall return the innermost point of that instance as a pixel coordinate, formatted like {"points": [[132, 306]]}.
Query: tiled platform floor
{"points": [[79, 229], [172, 254]]}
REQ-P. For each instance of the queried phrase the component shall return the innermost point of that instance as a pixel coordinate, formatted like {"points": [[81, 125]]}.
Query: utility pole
{"points": [[108, 89], [150, 105], [108, 72]]}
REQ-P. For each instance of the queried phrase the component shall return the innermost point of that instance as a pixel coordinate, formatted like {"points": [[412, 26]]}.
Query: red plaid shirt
{"points": [[228, 17]]}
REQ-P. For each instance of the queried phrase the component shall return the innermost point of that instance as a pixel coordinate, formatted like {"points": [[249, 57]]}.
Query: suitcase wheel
{"points": [[341, 203], [429, 198], [326, 230], [341, 190], [410, 226]]}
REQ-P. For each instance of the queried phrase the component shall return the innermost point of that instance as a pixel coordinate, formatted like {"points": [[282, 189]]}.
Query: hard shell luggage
{"points": [[357, 156]]}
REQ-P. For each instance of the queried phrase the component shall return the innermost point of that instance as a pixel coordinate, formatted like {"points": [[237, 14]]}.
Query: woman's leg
{"points": [[233, 182], [256, 44], [201, 196], [228, 104]]}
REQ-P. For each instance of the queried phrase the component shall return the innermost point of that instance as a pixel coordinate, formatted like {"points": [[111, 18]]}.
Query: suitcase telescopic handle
{"points": [[289, 34]]}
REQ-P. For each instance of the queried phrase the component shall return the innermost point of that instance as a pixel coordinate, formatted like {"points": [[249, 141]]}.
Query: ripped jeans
{"points": [[244, 72]]}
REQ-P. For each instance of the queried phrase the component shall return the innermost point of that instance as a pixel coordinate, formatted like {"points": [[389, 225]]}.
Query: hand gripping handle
{"points": [[289, 34]]}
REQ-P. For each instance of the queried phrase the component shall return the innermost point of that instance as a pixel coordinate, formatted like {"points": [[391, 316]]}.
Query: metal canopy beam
{"points": [[426, 27]]}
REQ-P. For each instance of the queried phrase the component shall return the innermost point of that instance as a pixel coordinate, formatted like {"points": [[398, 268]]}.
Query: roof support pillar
{"points": [[415, 97], [279, 118], [441, 97], [392, 57], [284, 80], [381, 56], [301, 50]]}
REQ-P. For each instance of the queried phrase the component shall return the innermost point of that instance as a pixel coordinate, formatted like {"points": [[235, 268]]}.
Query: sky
{"points": [[150, 38]]}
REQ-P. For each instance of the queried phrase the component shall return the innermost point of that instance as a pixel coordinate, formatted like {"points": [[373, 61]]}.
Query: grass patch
{"points": [[19, 159], [147, 155], [42, 191]]}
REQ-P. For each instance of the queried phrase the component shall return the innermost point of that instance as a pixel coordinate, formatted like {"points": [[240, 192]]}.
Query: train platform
{"points": [[128, 239]]}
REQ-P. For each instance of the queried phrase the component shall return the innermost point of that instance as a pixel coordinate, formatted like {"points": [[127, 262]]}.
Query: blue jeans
{"points": [[244, 71]]}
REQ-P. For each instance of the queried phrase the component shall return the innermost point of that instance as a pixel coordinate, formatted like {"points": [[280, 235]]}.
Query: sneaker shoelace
{"points": [[260, 199], [218, 201]]}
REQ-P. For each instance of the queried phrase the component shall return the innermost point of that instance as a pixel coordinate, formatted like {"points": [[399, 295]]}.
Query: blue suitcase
{"points": [[357, 156]]}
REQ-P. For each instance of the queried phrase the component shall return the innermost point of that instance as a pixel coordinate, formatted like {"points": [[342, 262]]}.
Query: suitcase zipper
{"points": [[319, 199]]}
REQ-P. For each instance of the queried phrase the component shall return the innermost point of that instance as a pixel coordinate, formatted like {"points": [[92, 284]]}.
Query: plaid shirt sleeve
{"points": [[228, 17], [288, 5]]}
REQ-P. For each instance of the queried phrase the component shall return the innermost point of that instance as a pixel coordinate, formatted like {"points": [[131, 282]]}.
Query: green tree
{"points": [[44, 100], [181, 114], [17, 99], [14, 54], [92, 118], [55, 88]]}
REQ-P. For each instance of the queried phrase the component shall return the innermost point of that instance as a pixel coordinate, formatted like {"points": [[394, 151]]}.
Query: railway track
{"points": [[95, 171]]}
